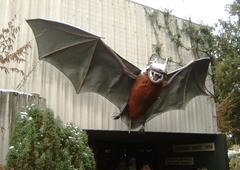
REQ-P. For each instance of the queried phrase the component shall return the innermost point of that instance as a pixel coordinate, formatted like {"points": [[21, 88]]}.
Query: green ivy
{"points": [[153, 16], [201, 37]]}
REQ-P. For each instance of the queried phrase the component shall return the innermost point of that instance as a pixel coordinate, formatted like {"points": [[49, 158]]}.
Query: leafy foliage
{"points": [[8, 54], [40, 142], [227, 73], [202, 39], [234, 9], [234, 163]]}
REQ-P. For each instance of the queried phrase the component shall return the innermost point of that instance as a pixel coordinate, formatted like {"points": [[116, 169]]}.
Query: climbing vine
{"points": [[201, 38], [176, 38], [153, 16]]}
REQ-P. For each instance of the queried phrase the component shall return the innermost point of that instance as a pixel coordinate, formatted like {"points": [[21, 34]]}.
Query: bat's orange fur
{"points": [[143, 94]]}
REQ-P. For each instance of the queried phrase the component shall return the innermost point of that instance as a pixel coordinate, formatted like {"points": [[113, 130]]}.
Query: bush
{"points": [[234, 163], [41, 142]]}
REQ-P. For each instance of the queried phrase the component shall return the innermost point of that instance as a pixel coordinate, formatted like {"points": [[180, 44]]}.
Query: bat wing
{"points": [[85, 60], [183, 85]]}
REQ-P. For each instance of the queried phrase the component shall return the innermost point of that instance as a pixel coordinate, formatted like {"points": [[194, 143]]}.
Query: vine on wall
{"points": [[176, 38], [153, 16], [200, 36]]}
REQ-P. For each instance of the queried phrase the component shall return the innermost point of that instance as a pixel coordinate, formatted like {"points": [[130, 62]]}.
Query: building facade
{"points": [[134, 32], [181, 139]]}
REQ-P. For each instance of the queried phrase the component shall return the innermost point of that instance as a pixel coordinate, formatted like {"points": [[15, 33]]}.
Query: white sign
{"points": [[179, 161], [201, 147]]}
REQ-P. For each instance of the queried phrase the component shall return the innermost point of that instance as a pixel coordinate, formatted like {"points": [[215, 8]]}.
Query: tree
{"points": [[8, 52], [41, 142], [226, 68]]}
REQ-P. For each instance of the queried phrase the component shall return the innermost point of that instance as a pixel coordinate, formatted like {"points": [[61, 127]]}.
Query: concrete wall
{"points": [[127, 29], [11, 103]]}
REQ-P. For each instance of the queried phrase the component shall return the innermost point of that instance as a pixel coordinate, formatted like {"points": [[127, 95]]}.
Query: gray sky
{"points": [[200, 11]]}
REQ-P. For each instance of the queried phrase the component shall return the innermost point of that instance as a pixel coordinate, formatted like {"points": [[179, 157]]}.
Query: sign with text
{"points": [[201, 147], [179, 161]]}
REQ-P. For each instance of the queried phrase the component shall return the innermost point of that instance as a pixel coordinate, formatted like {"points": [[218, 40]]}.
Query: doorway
{"points": [[120, 150]]}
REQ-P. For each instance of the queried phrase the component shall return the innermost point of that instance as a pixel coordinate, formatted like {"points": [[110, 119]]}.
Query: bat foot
{"points": [[117, 116], [129, 126], [142, 129]]}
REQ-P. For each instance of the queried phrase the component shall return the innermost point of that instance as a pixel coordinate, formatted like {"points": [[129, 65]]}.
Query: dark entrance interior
{"points": [[120, 150]]}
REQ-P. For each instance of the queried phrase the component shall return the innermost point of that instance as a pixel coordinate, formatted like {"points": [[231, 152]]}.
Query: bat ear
{"points": [[156, 59], [153, 58], [165, 65]]}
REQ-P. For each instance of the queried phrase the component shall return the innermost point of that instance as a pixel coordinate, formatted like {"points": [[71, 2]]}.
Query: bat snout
{"points": [[155, 76]]}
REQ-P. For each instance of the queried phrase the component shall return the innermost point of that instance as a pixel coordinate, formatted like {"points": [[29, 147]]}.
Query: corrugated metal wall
{"points": [[11, 103], [126, 28]]}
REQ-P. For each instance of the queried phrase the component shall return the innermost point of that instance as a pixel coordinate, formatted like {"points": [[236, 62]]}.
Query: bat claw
{"points": [[142, 129], [122, 110], [116, 116]]}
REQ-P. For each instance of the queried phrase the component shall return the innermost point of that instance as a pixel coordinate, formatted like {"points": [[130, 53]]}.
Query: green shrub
{"points": [[41, 142], [234, 163]]}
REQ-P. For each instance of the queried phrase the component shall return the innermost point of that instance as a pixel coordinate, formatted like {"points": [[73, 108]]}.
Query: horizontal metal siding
{"points": [[124, 26]]}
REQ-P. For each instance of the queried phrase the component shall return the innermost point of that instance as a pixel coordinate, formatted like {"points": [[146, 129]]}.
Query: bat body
{"points": [[143, 94], [92, 66]]}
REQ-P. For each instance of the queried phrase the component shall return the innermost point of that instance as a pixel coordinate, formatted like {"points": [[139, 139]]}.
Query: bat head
{"points": [[156, 70]]}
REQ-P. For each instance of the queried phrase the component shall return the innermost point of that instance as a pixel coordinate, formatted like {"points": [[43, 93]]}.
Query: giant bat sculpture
{"points": [[92, 66]]}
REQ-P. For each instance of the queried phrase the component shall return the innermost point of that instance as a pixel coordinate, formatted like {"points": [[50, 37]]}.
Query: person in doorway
{"points": [[146, 167]]}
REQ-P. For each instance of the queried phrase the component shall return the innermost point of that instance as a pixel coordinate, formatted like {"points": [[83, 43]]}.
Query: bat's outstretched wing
{"points": [[183, 84], [85, 59]]}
